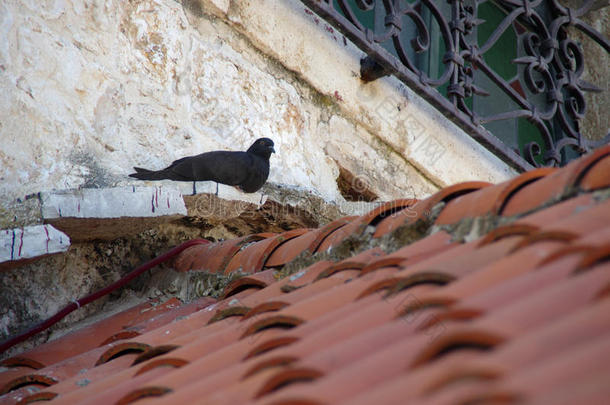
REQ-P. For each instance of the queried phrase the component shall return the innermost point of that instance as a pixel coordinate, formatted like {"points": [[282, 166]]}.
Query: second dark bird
{"points": [[247, 170]]}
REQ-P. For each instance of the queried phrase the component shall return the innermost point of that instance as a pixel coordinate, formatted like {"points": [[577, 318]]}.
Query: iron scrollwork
{"points": [[551, 64]]}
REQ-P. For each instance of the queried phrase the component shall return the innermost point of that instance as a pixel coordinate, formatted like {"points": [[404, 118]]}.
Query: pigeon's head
{"points": [[262, 147]]}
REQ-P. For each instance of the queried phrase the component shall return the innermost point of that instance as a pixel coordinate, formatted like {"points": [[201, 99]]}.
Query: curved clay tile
{"points": [[521, 286], [357, 262], [457, 338], [269, 306], [286, 377], [21, 361], [415, 385], [502, 269], [423, 277], [576, 367], [573, 330], [29, 379], [318, 287], [554, 186], [584, 222], [459, 262], [87, 338], [598, 175], [120, 350], [74, 372], [289, 250], [414, 252], [256, 281], [270, 344], [358, 225], [145, 392], [276, 290], [163, 362], [558, 211], [303, 277], [598, 255], [385, 284], [547, 305], [513, 186], [488, 200], [154, 352], [453, 373], [272, 362], [184, 261], [452, 314], [377, 365], [543, 236], [232, 311], [275, 321], [412, 306], [213, 257], [314, 338], [127, 334], [506, 231], [586, 163], [305, 244], [588, 388], [211, 368], [252, 258], [423, 208], [388, 209], [38, 397]]}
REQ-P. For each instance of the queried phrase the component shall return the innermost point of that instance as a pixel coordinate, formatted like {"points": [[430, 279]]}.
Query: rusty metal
{"points": [[552, 65]]}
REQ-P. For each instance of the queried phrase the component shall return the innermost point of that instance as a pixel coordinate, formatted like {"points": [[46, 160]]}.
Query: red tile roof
{"points": [[478, 294]]}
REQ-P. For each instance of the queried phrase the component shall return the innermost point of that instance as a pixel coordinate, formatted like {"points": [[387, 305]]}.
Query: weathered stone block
{"points": [[108, 213], [20, 244]]}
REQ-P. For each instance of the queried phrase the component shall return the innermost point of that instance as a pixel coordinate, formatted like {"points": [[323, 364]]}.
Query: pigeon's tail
{"points": [[145, 174]]}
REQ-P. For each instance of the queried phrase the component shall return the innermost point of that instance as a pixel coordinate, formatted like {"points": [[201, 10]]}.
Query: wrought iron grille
{"points": [[544, 99]]}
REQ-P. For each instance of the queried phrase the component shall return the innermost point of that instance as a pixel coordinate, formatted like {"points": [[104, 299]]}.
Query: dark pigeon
{"points": [[247, 171]]}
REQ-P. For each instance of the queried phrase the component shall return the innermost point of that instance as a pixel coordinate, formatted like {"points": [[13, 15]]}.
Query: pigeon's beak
{"points": [[271, 148]]}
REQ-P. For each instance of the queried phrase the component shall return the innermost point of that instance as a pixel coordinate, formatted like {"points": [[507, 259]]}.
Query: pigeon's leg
{"points": [[216, 189], [194, 188], [261, 201]]}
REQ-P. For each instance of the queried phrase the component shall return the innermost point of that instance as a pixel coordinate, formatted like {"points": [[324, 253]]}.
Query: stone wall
{"points": [[90, 89], [595, 125]]}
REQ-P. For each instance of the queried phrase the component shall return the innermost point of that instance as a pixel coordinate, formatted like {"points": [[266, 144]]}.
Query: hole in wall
{"points": [[354, 187]]}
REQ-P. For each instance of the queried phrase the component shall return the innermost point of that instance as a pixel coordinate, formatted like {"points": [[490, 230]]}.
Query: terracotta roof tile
{"points": [[488, 200], [213, 257], [503, 297], [531, 348], [252, 258], [582, 223], [558, 211], [553, 186], [597, 176], [307, 243], [422, 209], [86, 339], [417, 251], [254, 281], [575, 366], [358, 225]]}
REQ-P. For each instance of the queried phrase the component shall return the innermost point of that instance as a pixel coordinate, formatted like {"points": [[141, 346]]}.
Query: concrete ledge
{"points": [[20, 244], [130, 201], [108, 213]]}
